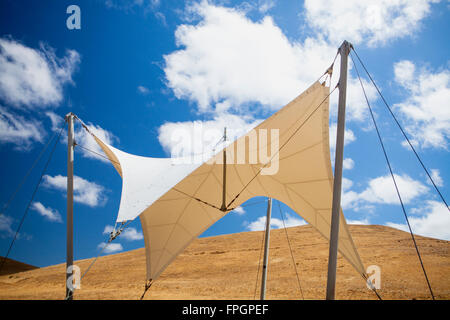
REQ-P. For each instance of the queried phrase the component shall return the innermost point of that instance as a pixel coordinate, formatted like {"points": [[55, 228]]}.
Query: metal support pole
{"points": [[224, 190], [266, 250], [69, 248], [344, 50]]}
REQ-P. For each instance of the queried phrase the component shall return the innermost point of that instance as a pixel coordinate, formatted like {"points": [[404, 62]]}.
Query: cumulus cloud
{"points": [[428, 93], [228, 64], [56, 120], [228, 59], [110, 247], [373, 21], [18, 130], [348, 164], [239, 210], [47, 212], [349, 136], [108, 229], [356, 109], [84, 139], [34, 77], [363, 221], [260, 223], [143, 90], [6, 225], [436, 176], [434, 221], [31, 79], [132, 234], [265, 5], [85, 192], [381, 190], [6, 230]]}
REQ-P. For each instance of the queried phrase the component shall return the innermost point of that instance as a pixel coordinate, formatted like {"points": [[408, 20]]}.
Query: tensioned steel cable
{"points": [[393, 179], [401, 129], [371, 286], [282, 146], [290, 249], [104, 247], [94, 152], [31, 200], [101, 251], [13, 195]]}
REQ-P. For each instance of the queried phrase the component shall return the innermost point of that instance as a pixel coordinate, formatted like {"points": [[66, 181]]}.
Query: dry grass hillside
{"points": [[225, 267], [11, 266]]}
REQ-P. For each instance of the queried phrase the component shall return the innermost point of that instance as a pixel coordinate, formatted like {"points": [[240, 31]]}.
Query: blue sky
{"points": [[137, 71]]}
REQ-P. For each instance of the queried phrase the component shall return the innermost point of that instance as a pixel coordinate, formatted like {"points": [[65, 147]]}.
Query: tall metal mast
{"points": [[344, 51], [266, 250], [224, 189], [69, 249]]}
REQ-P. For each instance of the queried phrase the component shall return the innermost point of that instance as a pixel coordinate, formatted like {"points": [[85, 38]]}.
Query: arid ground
{"points": [[225, 267]]}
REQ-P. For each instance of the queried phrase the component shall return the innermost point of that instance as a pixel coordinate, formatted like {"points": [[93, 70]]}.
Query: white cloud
{"points": [[56, 120], [228, 64], [108, 229], [17, 130], [84, 139], [143, 90], [404, 73], [34, 77], [381, 190], [197, 137], [349, 199], [265, 5], [49, 213], [6, 225], [348, 164], [346, 183], [239, 210], [132, 234], [436, 176], [356, 109], [435, 222], [374, 22], [85, 192], [260, 223], [349, 136], [425, 108], [363, 221], [228, 59], [110, 248], [6, 230]]}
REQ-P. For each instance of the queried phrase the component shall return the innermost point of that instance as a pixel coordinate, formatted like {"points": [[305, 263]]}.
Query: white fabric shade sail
{"points": [[178, 202]]}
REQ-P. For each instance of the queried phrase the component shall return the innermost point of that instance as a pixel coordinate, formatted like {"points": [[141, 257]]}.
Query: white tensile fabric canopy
{"points": [[178, 202]]}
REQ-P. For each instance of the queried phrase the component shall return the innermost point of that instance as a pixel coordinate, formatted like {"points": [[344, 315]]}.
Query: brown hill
{"points": [[12, 266], [225, 267]]}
